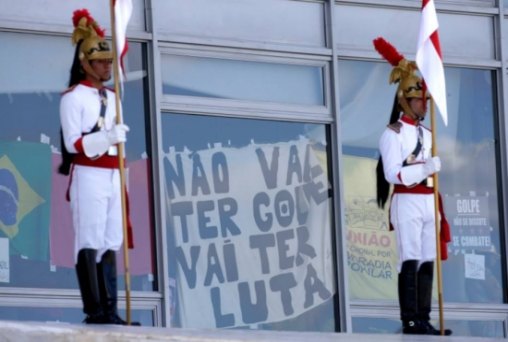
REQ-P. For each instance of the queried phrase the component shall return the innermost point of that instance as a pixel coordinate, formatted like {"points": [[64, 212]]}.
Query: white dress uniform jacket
{"points": [[95, 183], [412, 204]]}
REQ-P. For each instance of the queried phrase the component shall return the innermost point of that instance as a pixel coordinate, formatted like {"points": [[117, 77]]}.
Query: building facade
{"points": [[251, 163]]}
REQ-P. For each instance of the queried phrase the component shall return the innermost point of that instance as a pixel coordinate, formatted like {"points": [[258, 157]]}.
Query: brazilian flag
{"points": [[25, 189]]}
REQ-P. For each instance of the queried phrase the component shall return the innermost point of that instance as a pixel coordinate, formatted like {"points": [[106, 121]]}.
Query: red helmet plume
{"points": [[89, 21], [403, 73], [387, 51], [90, 36]]}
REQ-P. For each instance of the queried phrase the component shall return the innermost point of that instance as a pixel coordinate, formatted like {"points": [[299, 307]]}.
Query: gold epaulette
{"points": [[395, 126]]}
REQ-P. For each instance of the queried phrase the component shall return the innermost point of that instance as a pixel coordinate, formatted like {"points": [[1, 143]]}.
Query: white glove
{"points": [[432, 165], [117, 134]]}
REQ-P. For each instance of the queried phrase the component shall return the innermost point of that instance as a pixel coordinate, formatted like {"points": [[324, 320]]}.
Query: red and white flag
{"points": [[429, 58], [123, 12]]}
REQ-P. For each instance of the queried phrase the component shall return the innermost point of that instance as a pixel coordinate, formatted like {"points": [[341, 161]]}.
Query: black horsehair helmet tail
{"points": [[383, 187]]}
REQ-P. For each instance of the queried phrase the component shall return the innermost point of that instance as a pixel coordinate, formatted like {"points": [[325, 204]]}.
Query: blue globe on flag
{"points": [[9, 198]]}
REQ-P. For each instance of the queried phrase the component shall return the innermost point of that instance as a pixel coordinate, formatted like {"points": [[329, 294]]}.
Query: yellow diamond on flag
{"points": [[16, 196]]}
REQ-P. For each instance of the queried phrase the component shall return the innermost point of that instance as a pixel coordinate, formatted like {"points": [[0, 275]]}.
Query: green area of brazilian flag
{"points": [[25, 198]]}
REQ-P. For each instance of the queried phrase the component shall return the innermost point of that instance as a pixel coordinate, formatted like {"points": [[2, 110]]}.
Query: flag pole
{"points": [[437, 219], [116, 77]]}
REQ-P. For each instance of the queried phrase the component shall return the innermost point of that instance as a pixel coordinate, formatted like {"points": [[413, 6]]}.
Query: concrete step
{"points": [[16, 331]]}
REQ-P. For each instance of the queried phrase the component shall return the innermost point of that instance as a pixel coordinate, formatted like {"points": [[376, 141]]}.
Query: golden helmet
{"points": [[93, 45], [410, 84], [403, 72]]}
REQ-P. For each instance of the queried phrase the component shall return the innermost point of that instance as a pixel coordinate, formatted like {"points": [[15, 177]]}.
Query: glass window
{"points": [[466, 2], [253, 21], [69, 315], [249, 223], [56, 12], [36, 234], [242, 80], [482, 328], [504, 31], [468, 183], [461, 35]]}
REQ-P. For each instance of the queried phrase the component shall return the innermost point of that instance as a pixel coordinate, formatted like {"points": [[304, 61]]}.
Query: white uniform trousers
{"points": [[412, 217], [96, 209]]}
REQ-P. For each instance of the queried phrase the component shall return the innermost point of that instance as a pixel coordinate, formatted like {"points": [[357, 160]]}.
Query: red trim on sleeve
{"points": [[78, 145], [399, 177]]}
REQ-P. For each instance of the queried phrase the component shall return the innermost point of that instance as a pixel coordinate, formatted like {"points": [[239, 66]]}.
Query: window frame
{"points": [[246, 108]]}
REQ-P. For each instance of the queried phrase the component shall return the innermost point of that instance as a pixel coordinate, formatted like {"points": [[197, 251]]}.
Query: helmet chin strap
{"points": [[88, 69], [407, 109], [405, 106]]}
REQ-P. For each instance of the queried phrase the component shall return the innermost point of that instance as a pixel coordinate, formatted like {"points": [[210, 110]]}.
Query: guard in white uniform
{"points": [[90, 137], [406, 162]]}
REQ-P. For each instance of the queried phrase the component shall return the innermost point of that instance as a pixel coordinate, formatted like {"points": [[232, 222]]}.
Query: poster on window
{"points": [[250, 230], [371, 247], [468, 216], [5, 272], [25, 186]]}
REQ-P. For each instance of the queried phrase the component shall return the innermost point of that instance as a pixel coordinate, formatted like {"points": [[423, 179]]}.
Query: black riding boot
{"points": [[106, 270], [408, 294], [425, 280], [87, 278]]}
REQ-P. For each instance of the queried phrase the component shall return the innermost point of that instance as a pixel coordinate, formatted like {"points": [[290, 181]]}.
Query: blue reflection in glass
{"points": [[198, 132], [478, 328], [68, 315], [30, 114], [469, 149], [242, 80]]}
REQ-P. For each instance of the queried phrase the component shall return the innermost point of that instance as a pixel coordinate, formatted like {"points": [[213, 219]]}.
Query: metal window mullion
{"points": [[218, 43], [502, 97], [155, 96], [338, 190], [316, 59]]}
